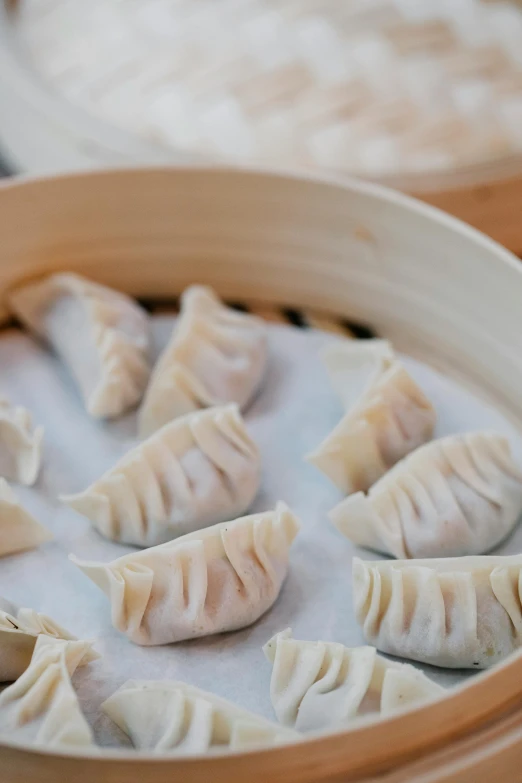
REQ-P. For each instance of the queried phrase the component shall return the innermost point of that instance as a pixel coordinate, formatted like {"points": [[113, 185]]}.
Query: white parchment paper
{"points": [[295, 409]]}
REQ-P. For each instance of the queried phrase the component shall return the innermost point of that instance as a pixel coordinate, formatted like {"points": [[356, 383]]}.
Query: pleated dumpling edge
{"points": [[215, 356], [101, 335], [20, 444], [195, 471], [387, 416], [455, 612], [221, 578], [19, 530], [19, 630], [320, 685], [456, 496], [42, 706], [174, 717]]}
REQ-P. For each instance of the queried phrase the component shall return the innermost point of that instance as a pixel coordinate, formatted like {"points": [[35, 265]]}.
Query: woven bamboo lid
{"points": [[373, 87]]}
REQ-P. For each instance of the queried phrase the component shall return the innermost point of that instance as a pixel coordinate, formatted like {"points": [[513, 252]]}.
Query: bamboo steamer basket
{"points": [[42, 132], [440, 290]]}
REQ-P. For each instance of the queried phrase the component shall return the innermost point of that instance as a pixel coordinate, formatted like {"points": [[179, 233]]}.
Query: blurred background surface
{"points": [[373, 87]]}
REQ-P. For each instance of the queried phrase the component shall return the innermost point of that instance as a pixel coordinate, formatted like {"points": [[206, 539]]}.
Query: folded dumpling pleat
{"points": [[19, 630], [460, 495], [317, 685], [168, 716], [196, 471], [355, 366], [41, 706], [18, 529], [100, 334], [218, 579], [387, 415], [215, 356], [461, 612], [20, 444]]}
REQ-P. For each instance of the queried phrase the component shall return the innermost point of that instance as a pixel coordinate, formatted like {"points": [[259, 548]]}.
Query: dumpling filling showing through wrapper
{"points": [[459, 612], [219, 579], [456, 496], [319, 685], [196, 471]]}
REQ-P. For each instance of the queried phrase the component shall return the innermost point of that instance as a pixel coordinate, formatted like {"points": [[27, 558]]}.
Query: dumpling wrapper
{"points": [[18, 529], [173, 717], [319, 685], [219, 579], [460, 495], [355, 366], [215, 356], [41, 707], [460, 612], [20, 444], [19, 629], [388, 415], [196, 471], [101, 335]]}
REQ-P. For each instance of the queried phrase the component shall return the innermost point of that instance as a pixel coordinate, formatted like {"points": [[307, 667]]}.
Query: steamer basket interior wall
{"points": [[435, 287]]}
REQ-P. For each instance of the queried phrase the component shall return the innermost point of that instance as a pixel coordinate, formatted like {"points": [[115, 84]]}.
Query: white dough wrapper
{"points": [[19, 630], [459, 495], [173, 717], [460, 613], [387, 415], [20, 444], [41, 707], [355, 366], [101, 335], [215, 356], [320, 685], [195, 471], [18, 529], [219, 579]]}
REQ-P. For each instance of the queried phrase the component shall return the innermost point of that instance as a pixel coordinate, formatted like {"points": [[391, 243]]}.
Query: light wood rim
{"points": [[455, 737], [297, 241]]}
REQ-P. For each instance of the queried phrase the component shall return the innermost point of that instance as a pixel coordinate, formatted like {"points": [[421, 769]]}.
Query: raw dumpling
{"points": [[20, 445], [388, 415], [316, 685], [460, 495], [215, 355], [173, 716], [100, 334], [219, 579], [41, 706], [198, 470], [462, 612], [18, 529], [19, 629], [355, 366]]}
